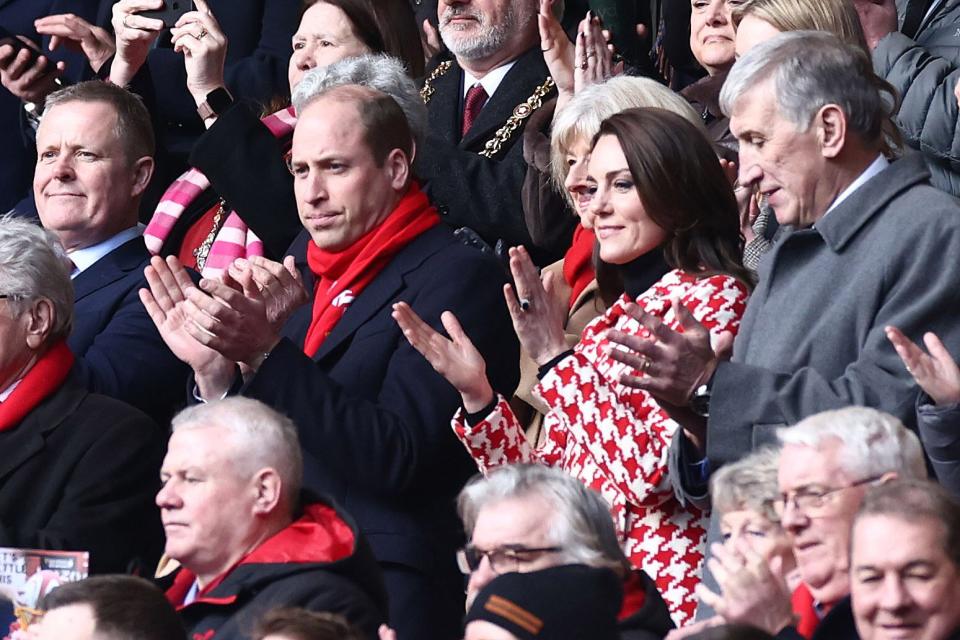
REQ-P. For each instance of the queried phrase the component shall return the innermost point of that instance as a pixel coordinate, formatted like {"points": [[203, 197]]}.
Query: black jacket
{"points": [[836, 625], [471, 190], [645, 615], [79, 473], [320, 562]]}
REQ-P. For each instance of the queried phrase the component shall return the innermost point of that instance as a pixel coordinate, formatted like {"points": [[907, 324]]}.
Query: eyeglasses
{"points": [[504, 559], [12, 296], [813, 501]]}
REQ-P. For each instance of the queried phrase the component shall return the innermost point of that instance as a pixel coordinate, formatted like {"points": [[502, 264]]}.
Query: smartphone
{"points": [[170, 13], [9, 38]]}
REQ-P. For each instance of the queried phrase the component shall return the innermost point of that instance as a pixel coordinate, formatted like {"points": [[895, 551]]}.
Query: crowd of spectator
{"points": [[483, 319]]}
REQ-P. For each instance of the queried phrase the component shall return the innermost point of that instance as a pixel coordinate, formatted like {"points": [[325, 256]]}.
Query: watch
{"points": [[216, 102], [700, 401]]}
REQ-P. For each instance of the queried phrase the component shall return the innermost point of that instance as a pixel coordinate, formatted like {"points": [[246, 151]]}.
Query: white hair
{"points": [[873, 443], [262, 437]]}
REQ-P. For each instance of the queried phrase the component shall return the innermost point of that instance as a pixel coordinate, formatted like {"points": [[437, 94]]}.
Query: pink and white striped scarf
{"points": [[235, 239]]}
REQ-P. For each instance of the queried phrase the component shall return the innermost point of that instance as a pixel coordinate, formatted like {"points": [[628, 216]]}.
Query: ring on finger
{"points": [[203, 34], [525, 304], [583, 64], [644, 364]]}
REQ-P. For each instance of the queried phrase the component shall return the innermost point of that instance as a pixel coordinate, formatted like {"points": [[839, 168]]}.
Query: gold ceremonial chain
{"points": [[426, 92], [520, 113], [203, 250]]}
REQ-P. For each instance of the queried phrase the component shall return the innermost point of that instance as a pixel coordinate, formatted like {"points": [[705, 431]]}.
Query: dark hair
{"points": [[915, 500], [683, 189], [124, 607], [300, 624], [732, 632], [385, 26], [133, 128]]}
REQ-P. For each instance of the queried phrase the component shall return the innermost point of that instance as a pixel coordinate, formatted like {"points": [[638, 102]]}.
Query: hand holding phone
{"points": [[24, 70], [170, 13]]}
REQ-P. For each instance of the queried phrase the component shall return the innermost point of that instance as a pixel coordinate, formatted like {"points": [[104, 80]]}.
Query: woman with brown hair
{"points": [[657, 193]]}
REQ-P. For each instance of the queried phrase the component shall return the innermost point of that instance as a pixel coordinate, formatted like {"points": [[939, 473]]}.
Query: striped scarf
{"points": [[235, 239]]}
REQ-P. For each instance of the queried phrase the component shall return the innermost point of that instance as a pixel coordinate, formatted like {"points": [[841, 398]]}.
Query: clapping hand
{"points": [[936, 373], [455, 358], [75, 33], [537, 311], [280, 286]]}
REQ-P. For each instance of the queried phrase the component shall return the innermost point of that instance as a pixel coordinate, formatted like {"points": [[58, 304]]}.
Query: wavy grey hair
{"points": [[581, 117], [582, 525], [750, 483], [872, 442], [811, 69], [262, 437], [375, 70], [34, 265]]}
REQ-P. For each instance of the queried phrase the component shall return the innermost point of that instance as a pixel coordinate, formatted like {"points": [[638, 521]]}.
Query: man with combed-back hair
{"points": [[78, 469], [95, 149], [526, 517], [244, 536]]}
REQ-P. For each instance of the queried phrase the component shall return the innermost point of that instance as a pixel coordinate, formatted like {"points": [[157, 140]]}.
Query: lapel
{"points": [[840, 226], [27, 439], [444, 106], [524, 77], [384, 288], [129, 256]]}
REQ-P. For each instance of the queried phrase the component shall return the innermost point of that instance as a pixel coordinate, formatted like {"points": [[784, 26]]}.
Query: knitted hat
{"points": [[570, 602]]}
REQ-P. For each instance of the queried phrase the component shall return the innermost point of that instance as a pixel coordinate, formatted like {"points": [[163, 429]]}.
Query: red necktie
{"points": [[476, 98]]}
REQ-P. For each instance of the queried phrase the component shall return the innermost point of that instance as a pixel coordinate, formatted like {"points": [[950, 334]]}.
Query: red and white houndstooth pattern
{"points": [[615, 439]]}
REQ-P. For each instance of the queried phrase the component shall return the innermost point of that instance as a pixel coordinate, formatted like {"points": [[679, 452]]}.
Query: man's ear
{"points": [[39, 318], [397, 165], [831, 125], [269, 490], [142, 172]]}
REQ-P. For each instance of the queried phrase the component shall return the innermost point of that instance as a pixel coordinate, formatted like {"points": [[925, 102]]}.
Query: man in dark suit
{"points": [[78, 470], [95, 148], [479, 103], [374, 418]]}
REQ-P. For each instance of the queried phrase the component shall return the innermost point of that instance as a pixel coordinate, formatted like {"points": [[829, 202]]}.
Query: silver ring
{"points": [[203, 34], [644, 364], [525, 304]]}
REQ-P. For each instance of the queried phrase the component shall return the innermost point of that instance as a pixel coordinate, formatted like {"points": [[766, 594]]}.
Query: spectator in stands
{"points": [[938, 407], [563, 166], [95, 158], [559, 603], [373, 415], [300, 624], [244, 535], [114, 607], [78, 468], [658, 194], [826, 465], [472, 161], [920, 59], [808, 113], [530, 517], [759, 20], [237, 200], [905, 563]]}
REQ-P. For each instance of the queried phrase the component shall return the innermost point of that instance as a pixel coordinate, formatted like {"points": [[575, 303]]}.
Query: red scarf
{"points": [[41, 380], [342, 275], [578, 262], [806, 612]]}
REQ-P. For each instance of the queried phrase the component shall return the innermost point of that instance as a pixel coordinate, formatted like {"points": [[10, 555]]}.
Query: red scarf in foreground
{"points": [[342, 275], [578, 263], [41, 380]]}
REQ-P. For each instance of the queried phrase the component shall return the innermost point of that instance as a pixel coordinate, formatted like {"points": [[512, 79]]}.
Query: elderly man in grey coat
{"points": [[867, 244]]}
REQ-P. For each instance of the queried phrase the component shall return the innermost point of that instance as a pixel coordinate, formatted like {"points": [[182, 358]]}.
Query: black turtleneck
{"points": [[641, 273]]}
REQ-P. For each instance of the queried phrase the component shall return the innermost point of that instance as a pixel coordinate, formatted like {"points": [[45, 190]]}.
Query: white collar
{"points": [[878, 165], [85, 258], [6, 392], [490, 81]]}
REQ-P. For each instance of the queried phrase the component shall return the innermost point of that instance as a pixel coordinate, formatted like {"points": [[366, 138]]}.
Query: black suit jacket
{"points": [[120, 352], [80, 472], [374, 417], [468, 189]]}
